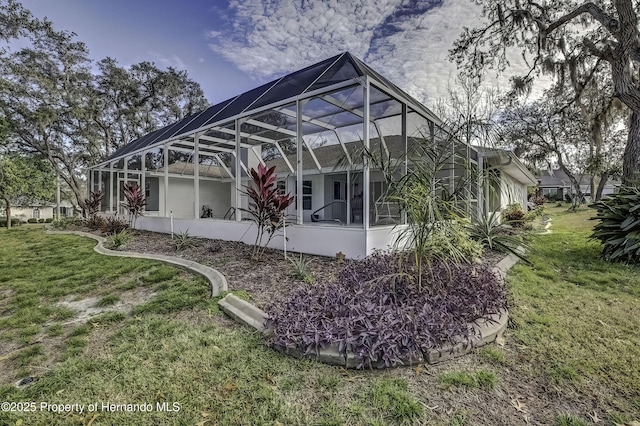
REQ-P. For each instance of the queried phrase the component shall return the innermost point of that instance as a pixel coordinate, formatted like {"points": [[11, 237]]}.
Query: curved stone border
{"points": [[216, 279], [482, 331]]}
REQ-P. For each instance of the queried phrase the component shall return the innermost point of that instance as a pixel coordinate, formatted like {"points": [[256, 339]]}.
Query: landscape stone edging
{"points": [[483, 331], [216, 279]]}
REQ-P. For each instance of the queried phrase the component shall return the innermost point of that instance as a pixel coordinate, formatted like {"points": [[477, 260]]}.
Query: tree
{"points": [[564, 39], [536, 133], [56, 107], [131, 102], [24, 179]]}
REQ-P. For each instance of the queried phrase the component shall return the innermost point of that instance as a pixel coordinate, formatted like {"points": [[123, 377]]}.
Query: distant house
{"points": [[310, 124], [39, 210], [555, 183]]}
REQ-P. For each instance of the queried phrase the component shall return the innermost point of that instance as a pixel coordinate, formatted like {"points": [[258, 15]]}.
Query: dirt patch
{"points": [[87, 308]]}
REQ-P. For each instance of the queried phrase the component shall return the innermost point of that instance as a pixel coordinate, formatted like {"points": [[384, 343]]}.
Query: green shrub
{"points": [[32, 220], [301, 269], [14, 222], [513, 215], [183, 240], [61, 224], [48, 220], [488, 231], [534, 214], [120, 239], [451, 241], [619, 227]]}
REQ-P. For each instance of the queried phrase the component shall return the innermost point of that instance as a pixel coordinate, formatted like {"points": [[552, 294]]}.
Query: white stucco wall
{"points": [[311, 239], [512, 191]]}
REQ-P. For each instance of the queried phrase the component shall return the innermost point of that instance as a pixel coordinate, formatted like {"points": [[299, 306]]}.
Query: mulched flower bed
{"points": [[269, 281]]}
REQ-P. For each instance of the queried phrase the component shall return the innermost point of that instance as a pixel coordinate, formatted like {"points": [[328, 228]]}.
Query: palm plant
{"points": [[428, 196]]}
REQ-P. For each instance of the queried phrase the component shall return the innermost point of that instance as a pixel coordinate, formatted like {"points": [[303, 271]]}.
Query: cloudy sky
{"points": [[231, 46]]}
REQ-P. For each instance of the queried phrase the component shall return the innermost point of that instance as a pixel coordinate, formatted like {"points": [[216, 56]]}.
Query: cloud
{"points": [[167, 61], [405, 40]]}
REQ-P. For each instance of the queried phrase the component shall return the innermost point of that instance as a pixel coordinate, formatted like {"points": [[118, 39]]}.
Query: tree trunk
{"points": [[8, 210], [604, 177], [572, 178], [631, 161]]}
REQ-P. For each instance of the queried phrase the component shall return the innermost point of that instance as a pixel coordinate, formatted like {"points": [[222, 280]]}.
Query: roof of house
{"points": [[556, 178], [507, 161], [342, 68]]}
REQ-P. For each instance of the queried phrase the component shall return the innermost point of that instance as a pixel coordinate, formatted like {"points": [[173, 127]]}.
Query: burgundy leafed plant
{"points": [[93, 202], [135, 201], [378, 313], [267, 206]]}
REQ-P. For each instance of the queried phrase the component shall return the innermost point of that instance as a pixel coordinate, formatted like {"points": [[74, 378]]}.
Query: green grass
{"points": [[574, 339], [576, 315], [108, 300], [569, 420], [493, 354], [484, 379]]}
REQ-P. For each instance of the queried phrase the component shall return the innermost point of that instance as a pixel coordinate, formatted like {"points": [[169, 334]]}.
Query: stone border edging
{"points": [[216, 279], [483, 331]]}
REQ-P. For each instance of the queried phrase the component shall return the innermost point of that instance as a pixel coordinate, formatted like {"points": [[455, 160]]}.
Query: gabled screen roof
{"points": [[341, 68]]}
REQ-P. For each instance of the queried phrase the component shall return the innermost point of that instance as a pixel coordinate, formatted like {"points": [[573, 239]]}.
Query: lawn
{"points": [[570, 356]]}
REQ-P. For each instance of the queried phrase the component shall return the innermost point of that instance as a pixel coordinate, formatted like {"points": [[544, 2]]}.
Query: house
{"points": [[555, 184], [39, 210], [312, 125], [505, 181]]}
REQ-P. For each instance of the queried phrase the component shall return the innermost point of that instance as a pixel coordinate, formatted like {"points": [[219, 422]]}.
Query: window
{"points": [[281, 186], [307, 193], [36, 213]]}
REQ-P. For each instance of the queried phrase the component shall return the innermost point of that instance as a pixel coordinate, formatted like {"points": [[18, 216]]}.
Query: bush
{"points": [[301, 269], [31, 220], [452, 242], [113, 225], [120, 239], [534, 214], [538, 200], [95, 222], [513, 215], [41, 220], [488, 231], [61, 224], [48, 220], [14, 222], [619, 227], [183, 240], [376, 311]]}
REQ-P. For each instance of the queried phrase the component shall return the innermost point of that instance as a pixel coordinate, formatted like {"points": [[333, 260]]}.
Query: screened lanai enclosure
{"points": [[313, 126]]}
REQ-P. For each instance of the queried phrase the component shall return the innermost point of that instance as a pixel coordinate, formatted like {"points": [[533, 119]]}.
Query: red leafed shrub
{"points": [[93, 202], [135, 201], [538, 200], [267, 206], [514, 215], [378, 313]]}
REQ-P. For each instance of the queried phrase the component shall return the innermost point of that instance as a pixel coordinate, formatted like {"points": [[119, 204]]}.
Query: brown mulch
{"points": [[268, 281]]}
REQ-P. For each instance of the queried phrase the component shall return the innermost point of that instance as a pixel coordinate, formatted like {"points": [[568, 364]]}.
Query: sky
{"points": [[232, 46]]}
